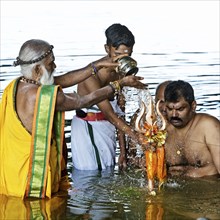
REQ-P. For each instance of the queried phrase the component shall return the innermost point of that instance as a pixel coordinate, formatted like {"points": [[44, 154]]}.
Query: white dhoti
{"points": [[84, 154]]}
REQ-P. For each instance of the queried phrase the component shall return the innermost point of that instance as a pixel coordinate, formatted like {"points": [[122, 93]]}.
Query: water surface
{"points": [[111, 194]]}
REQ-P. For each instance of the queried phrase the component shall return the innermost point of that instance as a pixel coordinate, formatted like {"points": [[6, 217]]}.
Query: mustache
{"points": [[175, 119]]}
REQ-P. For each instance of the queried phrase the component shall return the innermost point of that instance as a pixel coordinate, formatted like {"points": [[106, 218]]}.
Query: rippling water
{"points": [[115, 195], [112, 194]]}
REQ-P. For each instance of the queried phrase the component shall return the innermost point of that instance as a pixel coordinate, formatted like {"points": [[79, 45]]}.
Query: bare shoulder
{"points": [[22, 92], [209, 128], [204, 119]]}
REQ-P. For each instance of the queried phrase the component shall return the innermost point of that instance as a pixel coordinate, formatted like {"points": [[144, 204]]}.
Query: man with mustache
{"points": [[32, 120], [193, 142]]}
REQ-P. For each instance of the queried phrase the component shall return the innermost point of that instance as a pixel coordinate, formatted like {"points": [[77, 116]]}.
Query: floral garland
{"points": [[154, 137]]}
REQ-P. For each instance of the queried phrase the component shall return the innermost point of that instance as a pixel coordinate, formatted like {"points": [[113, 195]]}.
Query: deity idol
{"points": [[152, 124]]}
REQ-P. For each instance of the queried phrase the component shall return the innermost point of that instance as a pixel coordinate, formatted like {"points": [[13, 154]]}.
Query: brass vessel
{"points": [[127, 66]]}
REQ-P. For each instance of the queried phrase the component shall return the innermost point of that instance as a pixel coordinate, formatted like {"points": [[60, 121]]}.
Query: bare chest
{"points": [[191, 151]]}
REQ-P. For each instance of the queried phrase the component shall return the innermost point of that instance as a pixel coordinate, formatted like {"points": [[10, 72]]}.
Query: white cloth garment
{"points": [[83, 152]]}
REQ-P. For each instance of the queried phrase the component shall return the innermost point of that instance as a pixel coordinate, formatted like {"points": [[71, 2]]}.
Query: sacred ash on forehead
{"points": [[21, 62]]}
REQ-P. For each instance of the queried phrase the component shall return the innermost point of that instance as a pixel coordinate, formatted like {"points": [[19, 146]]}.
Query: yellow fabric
{"points": [[14, 208], [15, 142]]}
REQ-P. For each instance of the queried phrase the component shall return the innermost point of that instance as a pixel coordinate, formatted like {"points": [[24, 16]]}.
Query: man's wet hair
{"points": [[177, 89], [118, 34]]}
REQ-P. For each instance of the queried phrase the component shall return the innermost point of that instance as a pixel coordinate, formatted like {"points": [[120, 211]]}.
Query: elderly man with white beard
{"points": [[32, 120]]}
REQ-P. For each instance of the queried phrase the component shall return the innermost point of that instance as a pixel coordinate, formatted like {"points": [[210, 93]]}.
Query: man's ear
{"points": [[37, 72], [107, 49], [194, 104]]}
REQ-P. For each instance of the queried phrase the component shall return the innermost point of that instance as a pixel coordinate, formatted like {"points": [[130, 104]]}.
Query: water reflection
{"points": [[13, 208], [123, 195], [154, 211], [112, 194], [105, 195]]}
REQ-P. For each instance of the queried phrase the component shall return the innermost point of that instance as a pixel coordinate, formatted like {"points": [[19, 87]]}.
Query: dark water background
{"points": [[187, 50]]}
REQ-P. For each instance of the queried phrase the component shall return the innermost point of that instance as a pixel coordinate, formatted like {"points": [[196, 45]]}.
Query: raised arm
{"points": [[71, 101], [76, 76]]}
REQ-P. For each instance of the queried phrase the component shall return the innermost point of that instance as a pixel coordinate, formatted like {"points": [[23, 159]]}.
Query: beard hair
{"points": [[47, 78]]}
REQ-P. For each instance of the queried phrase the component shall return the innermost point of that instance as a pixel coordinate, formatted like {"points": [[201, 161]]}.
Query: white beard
{"points": [[47, 78]]}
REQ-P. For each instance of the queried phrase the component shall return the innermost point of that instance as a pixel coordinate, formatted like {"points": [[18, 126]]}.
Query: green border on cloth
{"points": [[41, 142]]}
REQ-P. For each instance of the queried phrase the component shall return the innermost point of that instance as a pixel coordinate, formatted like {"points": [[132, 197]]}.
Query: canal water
{"points": [[78, 38]]}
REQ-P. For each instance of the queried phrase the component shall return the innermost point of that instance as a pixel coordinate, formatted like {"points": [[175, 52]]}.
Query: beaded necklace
{"points": [[25, 80]]}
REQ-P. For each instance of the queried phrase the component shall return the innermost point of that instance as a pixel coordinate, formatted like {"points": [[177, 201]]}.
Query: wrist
{"points": [[116, 87], [121, 83]]}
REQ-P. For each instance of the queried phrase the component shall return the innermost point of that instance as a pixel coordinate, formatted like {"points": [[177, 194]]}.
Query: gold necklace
{"points": [[180, 144]]}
